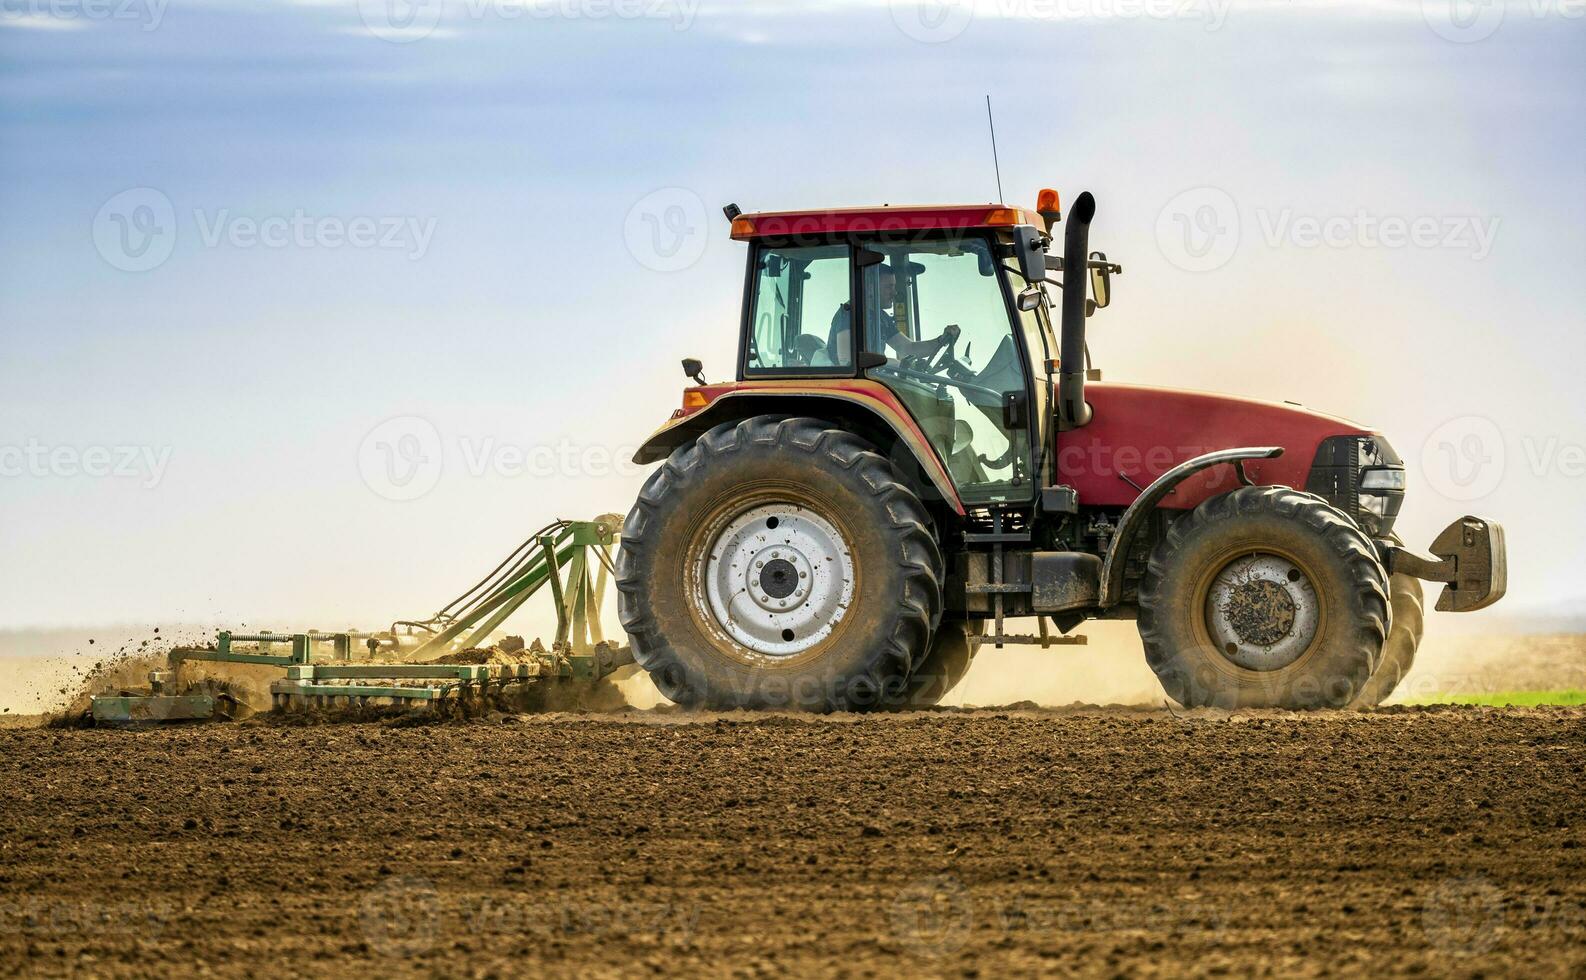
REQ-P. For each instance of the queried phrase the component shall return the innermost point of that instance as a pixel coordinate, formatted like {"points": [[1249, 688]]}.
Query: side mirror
{"points": [[694, 370], [1031, 256], [1100, 279], [1030, 299]]}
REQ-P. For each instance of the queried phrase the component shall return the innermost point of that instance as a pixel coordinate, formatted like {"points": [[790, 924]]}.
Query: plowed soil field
{"points": [[972, 843]]}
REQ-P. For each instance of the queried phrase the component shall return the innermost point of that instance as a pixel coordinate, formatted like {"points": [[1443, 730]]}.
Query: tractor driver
{"points": [[886, 327]]}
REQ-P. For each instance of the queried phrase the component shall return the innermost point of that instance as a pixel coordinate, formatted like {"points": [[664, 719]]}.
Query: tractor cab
{"points": [[938, 305]]}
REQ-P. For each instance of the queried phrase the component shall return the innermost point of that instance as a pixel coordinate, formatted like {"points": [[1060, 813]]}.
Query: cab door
{"points": [[946, 325]]}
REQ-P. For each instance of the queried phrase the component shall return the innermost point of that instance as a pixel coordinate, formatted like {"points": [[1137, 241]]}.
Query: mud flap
{"points": [[1471, 560]]}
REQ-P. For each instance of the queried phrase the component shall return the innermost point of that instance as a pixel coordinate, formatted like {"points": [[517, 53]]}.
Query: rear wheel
{"points": [[779, 562], [1264, 597]]}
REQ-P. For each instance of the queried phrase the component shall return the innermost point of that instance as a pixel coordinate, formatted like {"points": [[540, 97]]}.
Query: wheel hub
{"points": [[1262, 611], [778, 579]]}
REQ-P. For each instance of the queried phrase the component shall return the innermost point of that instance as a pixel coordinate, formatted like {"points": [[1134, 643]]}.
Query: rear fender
{"points": [[1137, 517], [856, 404]]}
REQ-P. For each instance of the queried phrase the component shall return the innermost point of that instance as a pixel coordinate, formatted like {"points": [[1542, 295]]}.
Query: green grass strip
{"points": [[1518, 699]]}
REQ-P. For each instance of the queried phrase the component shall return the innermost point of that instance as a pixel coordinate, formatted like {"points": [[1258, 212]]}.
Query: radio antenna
{"points": [[995, 163]]}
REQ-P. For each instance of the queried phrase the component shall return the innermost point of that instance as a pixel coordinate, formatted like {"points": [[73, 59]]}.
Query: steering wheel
{"points": [[939, 361]]}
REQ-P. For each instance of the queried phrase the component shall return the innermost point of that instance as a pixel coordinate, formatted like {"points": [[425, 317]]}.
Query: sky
{"points": [[311, 311]]}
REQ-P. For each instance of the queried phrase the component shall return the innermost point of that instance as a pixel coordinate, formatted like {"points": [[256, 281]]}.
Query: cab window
{"points": [[801, 314]]}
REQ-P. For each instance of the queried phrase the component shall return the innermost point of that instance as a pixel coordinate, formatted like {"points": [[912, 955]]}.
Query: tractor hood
{"points": [[1137, 433]]}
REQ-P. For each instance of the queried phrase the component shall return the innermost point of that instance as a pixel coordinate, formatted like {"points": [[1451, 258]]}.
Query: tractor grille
{"points": [[1340, 467]]}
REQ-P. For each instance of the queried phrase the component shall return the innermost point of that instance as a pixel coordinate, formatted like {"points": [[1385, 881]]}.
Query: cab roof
{"points": [[886, 218]]}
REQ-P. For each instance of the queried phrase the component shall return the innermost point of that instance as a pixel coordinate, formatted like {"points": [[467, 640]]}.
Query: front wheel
{"points": [[779, 562], [952, 650], [1264, 597], [1398, 653]]}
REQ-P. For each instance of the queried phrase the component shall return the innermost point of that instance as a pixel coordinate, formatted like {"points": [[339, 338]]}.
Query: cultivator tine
{"points": [[575, 623], [597, 634], [557, 597]]}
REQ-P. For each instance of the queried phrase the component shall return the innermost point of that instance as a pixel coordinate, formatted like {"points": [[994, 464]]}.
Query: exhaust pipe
{"points": [[1072, 412]]}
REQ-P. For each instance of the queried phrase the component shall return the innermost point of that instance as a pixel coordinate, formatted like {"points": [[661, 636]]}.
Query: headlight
{"points": [[1361, 476], [1385, 478]]}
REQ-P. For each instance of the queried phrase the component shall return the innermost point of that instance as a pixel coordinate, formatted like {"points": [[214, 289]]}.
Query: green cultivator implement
{"points": [[444, 660]]}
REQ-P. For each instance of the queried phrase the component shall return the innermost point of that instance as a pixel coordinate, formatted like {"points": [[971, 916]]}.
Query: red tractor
{"points": [[916, 449]]}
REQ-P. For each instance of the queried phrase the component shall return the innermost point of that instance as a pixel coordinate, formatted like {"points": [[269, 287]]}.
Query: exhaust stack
{"points": [[1072, 412]]}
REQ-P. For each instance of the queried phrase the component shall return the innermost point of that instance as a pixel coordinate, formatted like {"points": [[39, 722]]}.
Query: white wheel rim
{"points": [[1262, 612], [779, 579]]}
